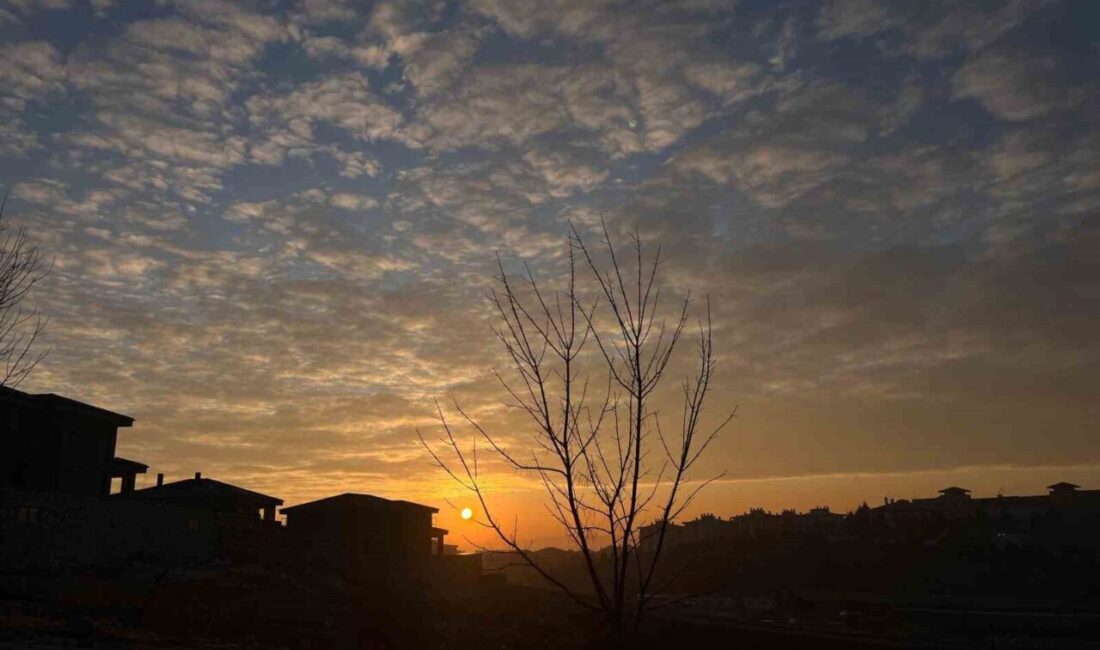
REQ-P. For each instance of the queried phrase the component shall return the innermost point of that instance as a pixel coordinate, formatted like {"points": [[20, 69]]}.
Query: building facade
{"points": [[56, 444], [367, 535]]}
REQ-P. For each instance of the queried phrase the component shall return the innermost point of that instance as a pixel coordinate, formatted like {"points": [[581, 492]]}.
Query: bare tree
{"points": [[597, 446], [21, 268]]}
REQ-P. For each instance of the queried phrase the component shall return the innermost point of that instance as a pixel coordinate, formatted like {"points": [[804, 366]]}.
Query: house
{"points": [[1065, 494], [366, 534], [211, 496], [52, 443]]}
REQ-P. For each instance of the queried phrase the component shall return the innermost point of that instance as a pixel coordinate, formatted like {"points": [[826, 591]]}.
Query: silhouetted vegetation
{"points": [[21, 268], [602, 456]]}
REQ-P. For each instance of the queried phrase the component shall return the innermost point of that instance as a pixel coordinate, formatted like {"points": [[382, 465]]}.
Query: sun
{"points": [[467, 513]]}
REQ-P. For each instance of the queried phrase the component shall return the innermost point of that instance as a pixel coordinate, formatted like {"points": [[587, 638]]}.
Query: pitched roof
{"points": [[50, 400], [202, 488], [121, 465], [357, 501], [1063, 486], [954, 490]]}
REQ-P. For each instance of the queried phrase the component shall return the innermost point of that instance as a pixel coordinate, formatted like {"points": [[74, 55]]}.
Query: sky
{"points": [[274, 225]]}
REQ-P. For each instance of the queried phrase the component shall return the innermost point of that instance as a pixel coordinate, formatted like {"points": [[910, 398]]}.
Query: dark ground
{"points": [[778, 603], [501, 617]]}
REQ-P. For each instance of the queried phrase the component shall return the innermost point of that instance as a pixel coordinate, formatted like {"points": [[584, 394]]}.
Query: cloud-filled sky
{"points": [[274, 225]]}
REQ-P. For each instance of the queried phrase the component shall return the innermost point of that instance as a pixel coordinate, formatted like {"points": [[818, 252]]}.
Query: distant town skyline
{"points": [[274, 225]]}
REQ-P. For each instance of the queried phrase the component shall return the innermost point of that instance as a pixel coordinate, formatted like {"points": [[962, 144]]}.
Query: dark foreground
{"points": [[239, 608]]}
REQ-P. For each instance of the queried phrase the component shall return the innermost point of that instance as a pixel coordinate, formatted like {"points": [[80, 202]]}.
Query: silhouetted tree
{"points": [[596, 456], [21, 268]]}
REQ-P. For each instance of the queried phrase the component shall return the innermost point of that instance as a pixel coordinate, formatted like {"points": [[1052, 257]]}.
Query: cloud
{"points": [[134, 136], [274, 224], [435, 62], [28, 7], [1011, 84], [43, 191], [510, 103], [288, 119], [159, 94], [805, 142], [855, 18], [660, 58], [774, 175], [349, 201], [354, 164], [326, 11], [566, 170], [34, 69], [324, 47], [968, 27]]}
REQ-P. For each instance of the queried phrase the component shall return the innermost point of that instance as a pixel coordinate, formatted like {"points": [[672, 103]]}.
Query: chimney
{"points": [[160, 479], [198, 475]]}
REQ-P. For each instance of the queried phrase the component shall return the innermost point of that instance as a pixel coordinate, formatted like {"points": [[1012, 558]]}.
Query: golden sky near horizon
{"points": [[274, 227]]}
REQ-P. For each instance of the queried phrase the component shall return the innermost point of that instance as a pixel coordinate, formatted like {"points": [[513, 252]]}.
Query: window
{"points": [[27, 515], [192, 524]]}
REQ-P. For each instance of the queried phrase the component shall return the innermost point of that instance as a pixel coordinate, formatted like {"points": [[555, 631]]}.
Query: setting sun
{"points": [[467, 513]]}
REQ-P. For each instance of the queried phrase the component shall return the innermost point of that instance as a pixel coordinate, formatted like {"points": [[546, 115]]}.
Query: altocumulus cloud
{"points": [[274, 227]]}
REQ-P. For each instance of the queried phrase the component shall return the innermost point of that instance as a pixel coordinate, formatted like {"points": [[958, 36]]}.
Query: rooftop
{"points": [[203, 488], [119, 465], [52, 401], [351, 499]]}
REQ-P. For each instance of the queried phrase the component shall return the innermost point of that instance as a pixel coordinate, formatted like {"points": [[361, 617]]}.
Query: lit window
{"points": [[27, 515]]}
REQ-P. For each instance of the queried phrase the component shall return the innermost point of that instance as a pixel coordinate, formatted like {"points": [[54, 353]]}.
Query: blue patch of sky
{"points": [[1069, 33], [448, 15], [942, 120], [287, 65], [394, 156], [56, 117], [637, 167], [728, 220], [855, 63], [256, 183], [79, 25], [14, 170]]}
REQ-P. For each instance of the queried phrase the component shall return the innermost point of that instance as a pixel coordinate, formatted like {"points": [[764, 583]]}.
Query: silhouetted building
{"points": [[927, 518], [650, 534], [757, 522], [903, 519], [954, 503], [211, 495], [57, 463], [822, 520], [705, 527], [56, 444], [1041, 519], [1067, 494], [367, 534]]}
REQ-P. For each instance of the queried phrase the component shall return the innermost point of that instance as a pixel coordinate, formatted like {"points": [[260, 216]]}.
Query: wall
{"points": [[47, 449], [43, 532]]}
